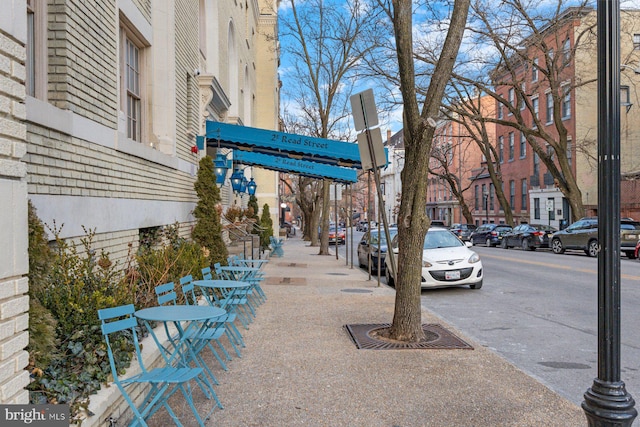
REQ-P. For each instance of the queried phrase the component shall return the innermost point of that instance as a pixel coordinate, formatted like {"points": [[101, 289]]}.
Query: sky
{"points": [[424, 32]]}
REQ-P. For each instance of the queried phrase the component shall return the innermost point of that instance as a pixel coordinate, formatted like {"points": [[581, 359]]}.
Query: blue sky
{"points": [[426, 31]]}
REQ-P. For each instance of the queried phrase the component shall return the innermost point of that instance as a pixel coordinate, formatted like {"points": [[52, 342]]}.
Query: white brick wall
{"points": [[14, 303]]}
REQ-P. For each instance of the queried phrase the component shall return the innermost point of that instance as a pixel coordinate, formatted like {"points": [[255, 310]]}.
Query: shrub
{"points": [[208, 230], [42, 325], [267, 227], [234, 213], [74, 287], [150, 267]]}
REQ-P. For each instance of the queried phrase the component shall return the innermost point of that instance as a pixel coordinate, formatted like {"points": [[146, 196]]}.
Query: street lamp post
{"points": [[607, 402]]}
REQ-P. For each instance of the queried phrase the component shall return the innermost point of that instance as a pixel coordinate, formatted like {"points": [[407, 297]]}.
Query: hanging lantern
{"points": [[251, 187], [243, 185], [220, 168], [236, 180]]}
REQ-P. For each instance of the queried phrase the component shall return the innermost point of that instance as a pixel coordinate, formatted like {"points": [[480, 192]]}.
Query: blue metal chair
{"points": [[199, 338], [188, 289], [241, 301], [163, 382], [276, 245], [231, 315]]}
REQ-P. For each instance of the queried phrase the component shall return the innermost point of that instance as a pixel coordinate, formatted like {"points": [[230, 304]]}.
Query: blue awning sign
{"points": [[302, 167], [308, 148]]}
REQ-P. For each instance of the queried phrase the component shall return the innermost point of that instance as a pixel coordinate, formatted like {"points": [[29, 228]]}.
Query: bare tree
{"points": [[420, 112], [527, 40], [325, 41], [469, 109]]}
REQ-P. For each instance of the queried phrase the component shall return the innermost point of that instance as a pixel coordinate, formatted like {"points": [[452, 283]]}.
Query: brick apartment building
{"points": [[523, 91]]}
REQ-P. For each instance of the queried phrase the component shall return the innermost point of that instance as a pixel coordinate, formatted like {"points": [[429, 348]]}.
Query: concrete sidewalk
{"points": [[300, 366]]}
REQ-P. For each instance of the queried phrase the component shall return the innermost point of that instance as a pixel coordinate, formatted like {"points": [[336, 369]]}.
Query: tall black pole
{"points": [[607, 402]]}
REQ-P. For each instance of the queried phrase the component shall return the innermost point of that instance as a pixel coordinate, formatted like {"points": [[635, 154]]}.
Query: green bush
{"points": [[267, 227], [42, 325], [75, 286], [208, 230], [150, 267]]}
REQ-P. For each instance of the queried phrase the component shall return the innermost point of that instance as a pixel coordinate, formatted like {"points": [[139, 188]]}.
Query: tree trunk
{"points": [[419, 128]]}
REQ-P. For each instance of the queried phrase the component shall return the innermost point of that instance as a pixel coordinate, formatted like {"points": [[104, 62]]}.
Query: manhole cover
{"points": [[337, 274], [437, 338], [357, 291]]}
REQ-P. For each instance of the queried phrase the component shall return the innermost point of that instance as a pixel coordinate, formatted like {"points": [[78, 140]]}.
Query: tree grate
{"points": [[286, 281], [291, 264], [438, 338]]}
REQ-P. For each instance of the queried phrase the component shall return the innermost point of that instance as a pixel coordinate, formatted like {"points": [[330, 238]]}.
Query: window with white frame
{"points": [[512, 146], [536, 208], [549, 96], [500, 110], [566, 51], [535, 104], [636, 41], [534, 70], [512, 97], [569, 151], [524, 196], [522, 103], [566, 102], [501, 149], [132, 87], [523, 145]]}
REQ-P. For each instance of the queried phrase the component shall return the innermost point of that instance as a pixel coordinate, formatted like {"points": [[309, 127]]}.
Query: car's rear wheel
{"points": [[631, 254], [557, 247], [593, 248], [525, 245], [503, 244], [487, 242], [390, 280], [476, 285]]}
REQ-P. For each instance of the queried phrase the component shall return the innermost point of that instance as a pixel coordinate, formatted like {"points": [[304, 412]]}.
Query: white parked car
{"points": [[446, 261]]}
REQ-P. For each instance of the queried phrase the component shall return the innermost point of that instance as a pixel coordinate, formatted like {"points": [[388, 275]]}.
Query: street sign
{"points": [[550, 205], [364, 111], [375, 158]]}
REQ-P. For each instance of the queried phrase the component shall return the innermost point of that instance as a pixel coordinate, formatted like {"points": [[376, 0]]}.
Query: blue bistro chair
{"points": [[241, 301], [198, 338], [189, 291], [163, 382], [231, 316]]}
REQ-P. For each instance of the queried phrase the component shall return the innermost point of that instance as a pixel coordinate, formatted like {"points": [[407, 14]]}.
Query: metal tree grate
{"points": [[286, 281], [437, 338]]}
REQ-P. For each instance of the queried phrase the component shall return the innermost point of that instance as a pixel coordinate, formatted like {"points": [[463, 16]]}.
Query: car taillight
{"points": [[538, 233], [493, 233]]}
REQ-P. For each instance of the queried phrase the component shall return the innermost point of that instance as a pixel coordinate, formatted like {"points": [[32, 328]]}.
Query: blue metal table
{"points": [[189, 321]]}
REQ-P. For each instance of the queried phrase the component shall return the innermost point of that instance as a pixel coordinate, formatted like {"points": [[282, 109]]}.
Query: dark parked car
{"points": [[529, 237], [437, 223], [463, 231], [489, 234], [583, 235], [369, 243]]}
